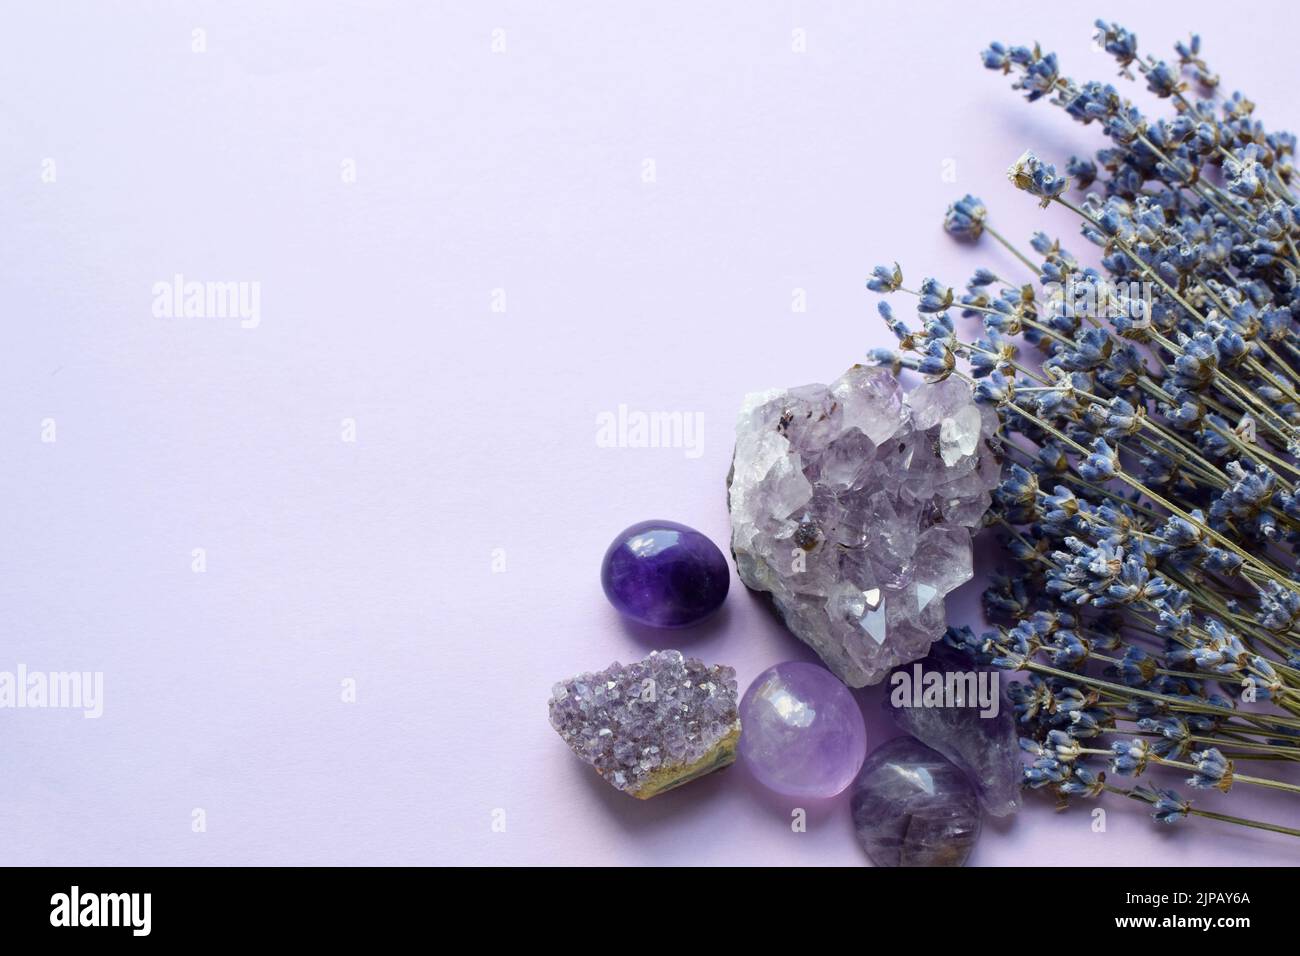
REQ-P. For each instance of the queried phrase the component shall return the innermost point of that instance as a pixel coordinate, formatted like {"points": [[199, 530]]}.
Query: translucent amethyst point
{"points": [[983, 743], [804, 735], [851, 505], [653, 725], [665, 574], [914, 807]]}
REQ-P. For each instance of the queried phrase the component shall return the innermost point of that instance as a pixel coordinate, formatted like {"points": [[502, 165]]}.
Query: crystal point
{"points": [[985, 745]]}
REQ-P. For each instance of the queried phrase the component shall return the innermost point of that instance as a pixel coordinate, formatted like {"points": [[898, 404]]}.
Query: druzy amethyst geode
{"points": [[664, 574], [914, 807], [652, 725], [852, 506]]}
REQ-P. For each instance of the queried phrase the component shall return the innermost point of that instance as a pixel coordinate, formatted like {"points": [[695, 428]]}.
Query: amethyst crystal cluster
{"points": [[652, 725], [852, 506]]}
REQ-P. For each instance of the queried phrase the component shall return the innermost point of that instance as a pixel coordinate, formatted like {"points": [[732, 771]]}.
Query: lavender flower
{"points": [[1150, 416], [1037, 178], [1213, 771], [1166, 805], [965, 220]]}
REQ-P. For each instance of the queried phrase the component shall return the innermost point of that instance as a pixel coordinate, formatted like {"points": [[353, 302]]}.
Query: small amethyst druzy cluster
{"points": [[852, 506], [652, 725]]}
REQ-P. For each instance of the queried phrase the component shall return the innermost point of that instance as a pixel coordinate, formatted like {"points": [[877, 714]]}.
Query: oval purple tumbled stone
{"points": [[664, 574]]}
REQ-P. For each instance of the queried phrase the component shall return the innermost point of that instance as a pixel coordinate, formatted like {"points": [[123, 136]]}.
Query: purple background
{"points": [[476, 429]]}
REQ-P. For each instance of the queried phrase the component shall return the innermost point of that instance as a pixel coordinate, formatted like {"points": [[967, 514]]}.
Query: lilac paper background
{"points": [[475, 429]]}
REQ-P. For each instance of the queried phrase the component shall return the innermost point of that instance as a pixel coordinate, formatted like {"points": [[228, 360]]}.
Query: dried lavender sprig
{"points": [[1156, 533]]}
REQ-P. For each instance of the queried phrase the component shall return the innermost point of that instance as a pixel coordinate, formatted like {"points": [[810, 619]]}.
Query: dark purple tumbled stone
{"points": [[664, 574], [912, 806]]}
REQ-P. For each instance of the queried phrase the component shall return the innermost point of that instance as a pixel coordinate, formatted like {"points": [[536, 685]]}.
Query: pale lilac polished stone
{"points": [[803, 734], [665, 574], [912, 806]]}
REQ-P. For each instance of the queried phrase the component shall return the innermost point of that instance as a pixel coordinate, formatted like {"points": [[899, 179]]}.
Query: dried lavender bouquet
{"points": [[1150, 412]]}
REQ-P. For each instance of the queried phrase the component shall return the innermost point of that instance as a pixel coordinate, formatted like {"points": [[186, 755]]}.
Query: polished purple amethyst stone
{"points": [[912, 806], [665, 574], [801, 731]]}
